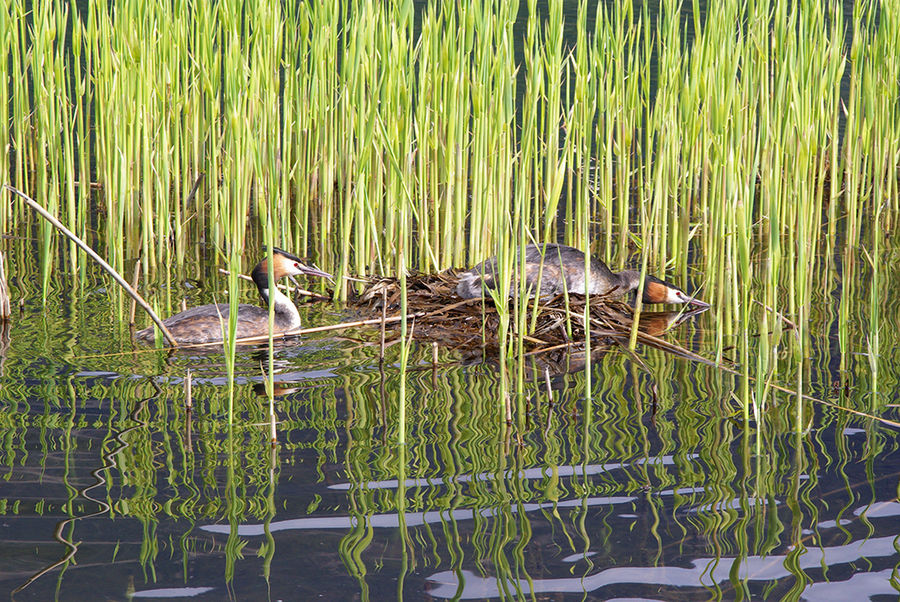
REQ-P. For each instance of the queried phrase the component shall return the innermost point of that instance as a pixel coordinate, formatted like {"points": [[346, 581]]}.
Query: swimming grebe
{"points": [[564, 271], [203, 324]]}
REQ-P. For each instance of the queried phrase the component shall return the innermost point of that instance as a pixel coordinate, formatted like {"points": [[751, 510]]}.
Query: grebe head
{"points": [[283, 264], [660, 291]]}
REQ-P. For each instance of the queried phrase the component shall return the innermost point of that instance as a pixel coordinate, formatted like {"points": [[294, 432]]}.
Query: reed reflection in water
{"points": [[654, 488]]}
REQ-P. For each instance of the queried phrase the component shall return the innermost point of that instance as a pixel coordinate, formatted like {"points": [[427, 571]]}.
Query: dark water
{"points": [[654, 488]]}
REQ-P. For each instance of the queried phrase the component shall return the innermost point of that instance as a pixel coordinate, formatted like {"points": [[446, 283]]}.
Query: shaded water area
{"points": [[648, 484]]}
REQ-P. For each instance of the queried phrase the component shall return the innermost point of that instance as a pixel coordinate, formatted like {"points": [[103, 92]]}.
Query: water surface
{"points": [[653, 486]]}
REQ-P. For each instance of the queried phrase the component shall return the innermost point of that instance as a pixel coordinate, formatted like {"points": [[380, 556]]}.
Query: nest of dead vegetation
{"points": [[437, 313]]}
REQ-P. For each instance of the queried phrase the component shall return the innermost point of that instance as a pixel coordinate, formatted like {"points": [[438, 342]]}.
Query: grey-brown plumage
{"points": [[563, 271], [204, 324]]}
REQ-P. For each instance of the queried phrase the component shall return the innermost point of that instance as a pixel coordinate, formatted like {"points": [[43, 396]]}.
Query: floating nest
{"points": [[436, 313]]}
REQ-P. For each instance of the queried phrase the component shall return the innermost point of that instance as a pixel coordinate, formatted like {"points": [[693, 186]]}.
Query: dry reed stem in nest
{"points": [[469, 323]]}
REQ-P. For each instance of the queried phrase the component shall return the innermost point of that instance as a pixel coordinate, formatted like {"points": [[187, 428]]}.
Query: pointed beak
{"points": [[698, 303], [305, 269]]}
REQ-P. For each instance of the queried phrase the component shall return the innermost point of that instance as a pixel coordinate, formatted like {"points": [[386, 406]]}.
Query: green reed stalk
{"points": [[82, 93], [425, 157], [603, 130], [323, 89], [743, 163], [297, 166], [884, 149], [266, 55], [580, 133], [554, 167], [528, 186], [441, 115], [644, 178], [857, 131], [873, 339], [357, 110], [528, 179], [759, 100], [626, 92], [458, 95], [240, 110], [396, 142], [540, 168], [21, 103], [7, 33], [661, 153], [492, 160], [54, 115]]}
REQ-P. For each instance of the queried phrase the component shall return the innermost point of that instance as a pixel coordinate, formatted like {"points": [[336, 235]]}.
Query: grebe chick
{"points": [[564, 271], [204, 324]]}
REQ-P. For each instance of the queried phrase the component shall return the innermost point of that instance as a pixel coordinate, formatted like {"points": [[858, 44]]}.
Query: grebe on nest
{"points": [[564, 272], [204, 324]]}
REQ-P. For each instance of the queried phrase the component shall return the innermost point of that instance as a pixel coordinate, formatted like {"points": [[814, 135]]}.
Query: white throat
{"points": [[286, 314]]}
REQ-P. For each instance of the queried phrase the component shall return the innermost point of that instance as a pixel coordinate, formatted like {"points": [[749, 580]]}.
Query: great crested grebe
{"points": [[564, 271], [203, 324]]}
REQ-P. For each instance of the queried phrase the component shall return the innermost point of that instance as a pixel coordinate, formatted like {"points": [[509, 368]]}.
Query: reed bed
{"points": [[380, 141]]}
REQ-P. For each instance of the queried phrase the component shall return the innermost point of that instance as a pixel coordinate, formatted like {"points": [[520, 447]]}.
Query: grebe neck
{"points": [[627, 281], [286, 314]]}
